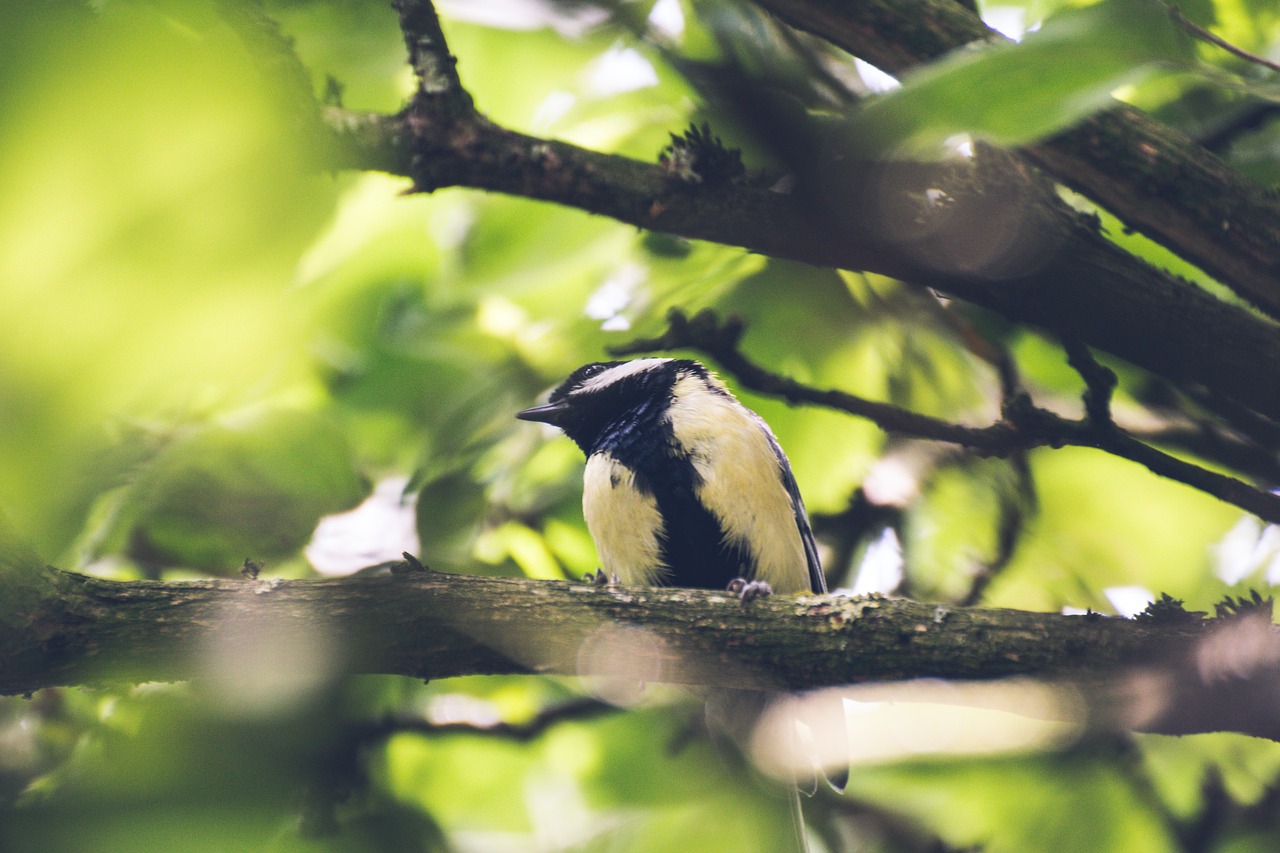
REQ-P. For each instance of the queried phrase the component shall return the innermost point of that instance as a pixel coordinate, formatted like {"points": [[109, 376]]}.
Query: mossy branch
{"points": [[84, 630]]}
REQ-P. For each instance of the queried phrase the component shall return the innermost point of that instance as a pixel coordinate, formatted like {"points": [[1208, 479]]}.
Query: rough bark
{"points": [[85, 630], [1157, 180], [434, 625]]}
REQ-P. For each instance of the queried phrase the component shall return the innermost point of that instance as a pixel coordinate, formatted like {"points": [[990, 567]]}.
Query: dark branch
{"points": [[436, 67], [1207, 440], [1216, 40], [582, 708], [1099, 382], [1193, 674], [706, 333], [1155, 179], [1024, 425]]}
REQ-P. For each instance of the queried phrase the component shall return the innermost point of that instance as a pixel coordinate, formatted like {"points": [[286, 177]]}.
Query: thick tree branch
{"points": [[428, 625], [1155, 179], [1001, 240], [1005, 247]]}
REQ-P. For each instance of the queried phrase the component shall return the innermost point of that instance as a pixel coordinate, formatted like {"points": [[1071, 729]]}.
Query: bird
{"points": [[683, 485]]}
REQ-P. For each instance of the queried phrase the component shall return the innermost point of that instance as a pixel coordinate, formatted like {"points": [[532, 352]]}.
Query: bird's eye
{"points": [[582, 374]]}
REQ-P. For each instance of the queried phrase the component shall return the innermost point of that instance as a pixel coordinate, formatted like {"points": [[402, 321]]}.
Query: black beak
{"points": [[548, 414]]}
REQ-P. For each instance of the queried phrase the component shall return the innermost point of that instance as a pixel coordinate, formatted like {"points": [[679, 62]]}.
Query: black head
{"points": [[606, 394]]}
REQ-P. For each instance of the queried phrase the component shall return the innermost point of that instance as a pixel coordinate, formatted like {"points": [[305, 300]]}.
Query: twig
{"points": [[1023, 426], [429, 54], [582, 708], [1208, 440], [1099, 382], [1205, 35], [705, 332], [1263, 504], [1014, 507]]}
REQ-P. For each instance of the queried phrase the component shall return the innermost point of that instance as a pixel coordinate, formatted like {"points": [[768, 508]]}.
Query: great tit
{"points": [[684, 486]]}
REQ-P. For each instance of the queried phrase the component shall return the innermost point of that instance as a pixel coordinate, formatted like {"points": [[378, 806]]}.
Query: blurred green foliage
{"points": [[208, 343]]}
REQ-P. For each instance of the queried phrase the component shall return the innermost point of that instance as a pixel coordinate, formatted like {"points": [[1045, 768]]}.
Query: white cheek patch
{"points": [[624, 522], [741, 482], [614, 374]]}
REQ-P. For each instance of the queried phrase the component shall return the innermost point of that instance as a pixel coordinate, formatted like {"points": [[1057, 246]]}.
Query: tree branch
{"points": [[1002, 241], [428, 625], [1024, 425], [1205, 35], [1099, 382], [429, 54], [1155, 179], [580, 708]]}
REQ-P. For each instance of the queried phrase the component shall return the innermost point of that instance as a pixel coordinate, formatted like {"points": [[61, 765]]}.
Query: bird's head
{"points": [[607, 395]]}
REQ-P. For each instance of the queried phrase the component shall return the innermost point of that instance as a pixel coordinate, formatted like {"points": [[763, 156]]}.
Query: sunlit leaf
{"points": [[251, 488], [1053, 78], [148, 228]]}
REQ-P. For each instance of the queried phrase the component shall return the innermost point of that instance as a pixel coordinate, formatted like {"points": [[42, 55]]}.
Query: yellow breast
{"points": [[741, 481], [623, 521]]}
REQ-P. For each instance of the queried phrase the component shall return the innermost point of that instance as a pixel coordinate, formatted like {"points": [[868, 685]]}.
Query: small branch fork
{"points": [[1023, 425]]}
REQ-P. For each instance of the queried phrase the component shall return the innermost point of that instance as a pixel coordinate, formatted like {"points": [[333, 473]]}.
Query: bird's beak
{"points": [[548, 414]]}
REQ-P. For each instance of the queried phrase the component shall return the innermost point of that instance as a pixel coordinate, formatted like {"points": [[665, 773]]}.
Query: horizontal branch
{"points": [[1001, 239], [1044, 267], [83, 630], [1024, 426], [434, 625]]}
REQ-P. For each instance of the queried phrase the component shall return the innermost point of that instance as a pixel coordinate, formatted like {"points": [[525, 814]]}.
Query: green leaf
{"points": [[1012, 94], [1001, 804], [156, 198], [245, 488]]}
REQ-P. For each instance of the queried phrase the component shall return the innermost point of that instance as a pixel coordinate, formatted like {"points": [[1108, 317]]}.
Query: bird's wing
{"points": [[817, 580]]}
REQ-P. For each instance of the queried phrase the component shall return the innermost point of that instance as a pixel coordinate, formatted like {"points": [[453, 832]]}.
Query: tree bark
{"points": [[1154, 178], [86, 630]]}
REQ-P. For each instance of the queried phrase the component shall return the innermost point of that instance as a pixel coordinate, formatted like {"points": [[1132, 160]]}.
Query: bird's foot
{"points": [[599, 578], [749, 590]]}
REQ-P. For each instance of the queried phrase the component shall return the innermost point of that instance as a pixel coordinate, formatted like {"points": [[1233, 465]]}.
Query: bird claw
{"points": [[748, 591], [599, 578]]}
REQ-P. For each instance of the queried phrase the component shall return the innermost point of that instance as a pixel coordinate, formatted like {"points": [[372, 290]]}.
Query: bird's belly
{"points": [[623, 520]]}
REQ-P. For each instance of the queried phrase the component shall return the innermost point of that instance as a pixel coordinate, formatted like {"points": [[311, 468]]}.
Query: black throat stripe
{"points": [[692, 541]]}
